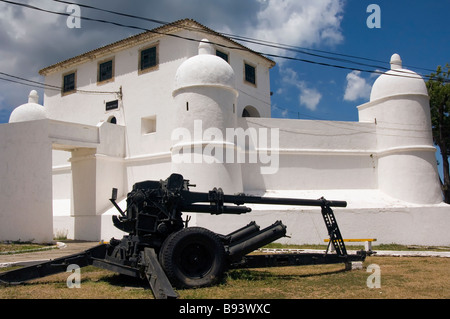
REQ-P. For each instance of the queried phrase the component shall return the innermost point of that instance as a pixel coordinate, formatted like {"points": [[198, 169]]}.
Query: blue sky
{"points": [[417, 30]]}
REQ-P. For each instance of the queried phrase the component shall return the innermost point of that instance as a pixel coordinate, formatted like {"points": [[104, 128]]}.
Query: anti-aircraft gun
{"points": [[161, 247]]}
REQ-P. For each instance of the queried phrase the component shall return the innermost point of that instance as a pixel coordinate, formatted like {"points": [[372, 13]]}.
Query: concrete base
{"points": [[399, 223], [354, 265]]}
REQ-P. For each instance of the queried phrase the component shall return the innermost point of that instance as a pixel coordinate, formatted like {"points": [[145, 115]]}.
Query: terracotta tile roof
{"points": [[165, 30]]}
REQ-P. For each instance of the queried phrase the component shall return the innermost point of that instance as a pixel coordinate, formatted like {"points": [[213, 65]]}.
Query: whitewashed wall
{"points": [[26, 185]]}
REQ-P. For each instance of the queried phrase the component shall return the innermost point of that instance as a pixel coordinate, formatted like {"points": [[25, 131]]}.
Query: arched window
{"points": [[250, 111], [112, 120]]}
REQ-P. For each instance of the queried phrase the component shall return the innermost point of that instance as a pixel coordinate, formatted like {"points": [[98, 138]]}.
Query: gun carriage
{"points": [[161, 247]]}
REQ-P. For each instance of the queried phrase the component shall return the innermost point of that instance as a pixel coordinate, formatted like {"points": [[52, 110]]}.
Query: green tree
{"points": [[438, 87]]}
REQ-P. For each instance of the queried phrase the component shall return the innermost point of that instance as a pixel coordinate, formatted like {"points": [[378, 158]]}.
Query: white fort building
{"points": [[184, 99]]}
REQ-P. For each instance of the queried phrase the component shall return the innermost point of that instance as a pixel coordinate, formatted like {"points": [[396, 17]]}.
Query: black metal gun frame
{"points": [[161, 248]]}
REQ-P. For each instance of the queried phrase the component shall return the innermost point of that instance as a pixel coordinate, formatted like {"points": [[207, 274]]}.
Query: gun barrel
{"points": [[244, 199], [241, 199], [213, 209]]}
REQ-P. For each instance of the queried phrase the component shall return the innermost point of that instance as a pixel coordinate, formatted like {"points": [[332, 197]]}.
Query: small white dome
{"points": [[204, 69], [29, 111], [397, 81]]}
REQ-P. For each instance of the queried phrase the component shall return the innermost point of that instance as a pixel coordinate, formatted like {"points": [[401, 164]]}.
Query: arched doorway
{"points": [[250, 111]]}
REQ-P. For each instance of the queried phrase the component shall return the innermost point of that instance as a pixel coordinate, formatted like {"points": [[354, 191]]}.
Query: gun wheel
{"points": [[193, 257]]}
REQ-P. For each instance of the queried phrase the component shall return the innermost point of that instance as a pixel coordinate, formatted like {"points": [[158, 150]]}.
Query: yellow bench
{"points": [[367, 242]]}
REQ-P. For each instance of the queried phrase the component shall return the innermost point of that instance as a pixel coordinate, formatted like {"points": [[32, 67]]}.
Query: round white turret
{"points": [[204, 69], [205, 99], [30, 111], [399, 106], [397, 81]]}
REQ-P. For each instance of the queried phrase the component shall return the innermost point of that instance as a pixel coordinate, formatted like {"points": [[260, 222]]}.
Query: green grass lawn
{"points": [[401, 278]]}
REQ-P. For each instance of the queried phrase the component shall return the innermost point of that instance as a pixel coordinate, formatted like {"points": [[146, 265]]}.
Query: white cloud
{"points": [[283, 113], [308, 97], [32, 40], [289, 76], [26, 37], [298, 23], [357, 87]]}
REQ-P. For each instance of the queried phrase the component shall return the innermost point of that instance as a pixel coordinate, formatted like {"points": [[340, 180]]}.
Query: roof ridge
{"points": [[143, 36]]}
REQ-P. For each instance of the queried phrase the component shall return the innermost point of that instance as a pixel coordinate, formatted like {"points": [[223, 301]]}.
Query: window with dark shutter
{"points": [[105, 71], [250, 73], [148, 58], [223, 55], [68, 83]]}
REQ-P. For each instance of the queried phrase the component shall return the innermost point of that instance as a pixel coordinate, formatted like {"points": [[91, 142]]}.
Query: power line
{"points": [[113, 12], [345, 128], [296, 49], [41, 85], [233, 37], [18, 82], [117, 24], [186, 38], [302, 50], [196, 40]]}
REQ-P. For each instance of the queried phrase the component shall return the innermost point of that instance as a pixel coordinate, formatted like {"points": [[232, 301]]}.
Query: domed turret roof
{"points": [[204, 69], [29, 111], [397, 81]]}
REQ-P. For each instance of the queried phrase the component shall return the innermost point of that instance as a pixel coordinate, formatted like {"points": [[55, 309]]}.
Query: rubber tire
{"points": [[193, 257]]}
